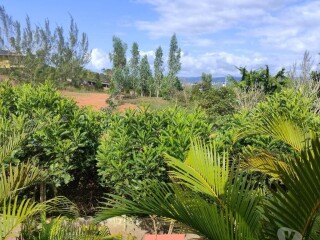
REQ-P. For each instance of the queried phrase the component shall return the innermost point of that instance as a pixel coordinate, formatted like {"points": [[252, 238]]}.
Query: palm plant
{"points": [[220, 201], [208, 194], [13, 209], [63, 228], [295, 203]]}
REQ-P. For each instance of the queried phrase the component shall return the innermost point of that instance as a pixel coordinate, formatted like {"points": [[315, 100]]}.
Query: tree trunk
{"points": [[43, 196], [42, 192]]}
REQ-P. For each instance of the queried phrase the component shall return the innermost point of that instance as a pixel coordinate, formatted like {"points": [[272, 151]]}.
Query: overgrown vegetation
{"points": [[131, 151], [240, 161]]}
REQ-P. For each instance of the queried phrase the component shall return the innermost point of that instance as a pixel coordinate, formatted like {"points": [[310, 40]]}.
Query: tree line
{"points": [[40, 52], [136, 76]]}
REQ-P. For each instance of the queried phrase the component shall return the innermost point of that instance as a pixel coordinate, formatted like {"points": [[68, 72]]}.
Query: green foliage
{"points": [[174, 64], [134, 67], [221, 202], [120, 72], [132, 149], [206, 81], [68, 137], [216, 201], [14, 210], [62, 228], [290, 104], [261, 79], [158, 71], [118, 55], [218, 102], [146, 79], [298, 179], [39, 53]]}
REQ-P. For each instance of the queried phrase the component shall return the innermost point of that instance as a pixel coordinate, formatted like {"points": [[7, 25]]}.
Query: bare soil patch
{"points": [[94, 100]]}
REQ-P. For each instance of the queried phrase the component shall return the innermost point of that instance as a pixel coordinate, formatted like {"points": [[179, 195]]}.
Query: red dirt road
{"points": [[94, 100]]}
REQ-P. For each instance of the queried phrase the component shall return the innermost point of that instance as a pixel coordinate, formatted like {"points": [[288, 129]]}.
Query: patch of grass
{"points": [[82, 89], [153, 103]]}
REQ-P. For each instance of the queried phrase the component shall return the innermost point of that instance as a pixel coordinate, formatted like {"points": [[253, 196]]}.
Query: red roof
{"points": [[164, 237]]}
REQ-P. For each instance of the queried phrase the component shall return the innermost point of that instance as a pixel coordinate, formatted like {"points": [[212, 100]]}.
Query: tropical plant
{"points": [[218, 102], [220, 202], [15, 210], [261, 79], [66, 142], [63, 228], [295, 196], [208, 194]]}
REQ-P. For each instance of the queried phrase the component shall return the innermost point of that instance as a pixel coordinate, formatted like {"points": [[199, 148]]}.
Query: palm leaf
{"points": [[63, 228], [283, 130], [188, 208], [13, 214], [297, 207], [12, 133], [15, 178], [265, 163], [203, 171], [232, 215]]}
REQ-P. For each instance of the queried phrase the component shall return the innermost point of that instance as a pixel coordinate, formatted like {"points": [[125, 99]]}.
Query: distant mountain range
{"points": [[216, 80]]}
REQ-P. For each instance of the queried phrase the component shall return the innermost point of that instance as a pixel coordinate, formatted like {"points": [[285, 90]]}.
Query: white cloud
{"points": [[232, 33], [150, 54], [99, 59], [296, 28], [224, 63], [190, 17], [198, 42]]}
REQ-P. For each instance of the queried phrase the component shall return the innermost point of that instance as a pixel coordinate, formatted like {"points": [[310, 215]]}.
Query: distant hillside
{"points": [[216, 80]]}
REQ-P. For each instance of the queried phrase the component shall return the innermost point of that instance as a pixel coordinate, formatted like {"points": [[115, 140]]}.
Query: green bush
{"points": [[238, 132], [66, 139], [218, 102], [132, 148]]}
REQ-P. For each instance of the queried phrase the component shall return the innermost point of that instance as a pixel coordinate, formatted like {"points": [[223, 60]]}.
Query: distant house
{"points": [[105, 84], [7, 58]]}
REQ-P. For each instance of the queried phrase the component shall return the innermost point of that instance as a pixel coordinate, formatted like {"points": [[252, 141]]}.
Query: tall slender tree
{"points": [[158, 71], [134, 67], [119, 61], [145, 77], [206, 81], [174, 64], [43, 53]]}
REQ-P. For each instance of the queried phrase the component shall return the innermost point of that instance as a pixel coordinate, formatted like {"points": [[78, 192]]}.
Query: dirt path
{"points": [[95, 100]]}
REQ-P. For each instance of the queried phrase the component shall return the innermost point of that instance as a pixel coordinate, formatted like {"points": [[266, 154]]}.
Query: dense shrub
{"points": [[66, 139], [218, 102], [132, 149], [291, 104]]}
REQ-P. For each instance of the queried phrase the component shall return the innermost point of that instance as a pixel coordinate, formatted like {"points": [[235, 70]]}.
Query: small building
{"points": [[7, 58]]}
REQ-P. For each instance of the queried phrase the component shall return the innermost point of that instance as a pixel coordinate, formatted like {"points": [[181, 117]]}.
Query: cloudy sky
{"points": [[214, 35]]}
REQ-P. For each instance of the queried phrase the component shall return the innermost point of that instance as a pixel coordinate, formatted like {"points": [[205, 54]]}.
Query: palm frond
{"points": [[61, 205], [16, 212], [12, 133], [233, 213], [15, 178], [283, 130], [298, 206], [203, 171], [205, 218], [265, 163], [63, 228]]}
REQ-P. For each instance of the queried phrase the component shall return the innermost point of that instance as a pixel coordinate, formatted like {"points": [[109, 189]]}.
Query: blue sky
{"points": [[214, 35]]}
